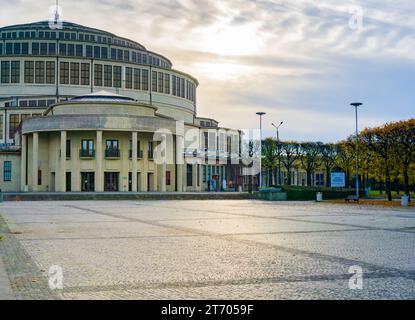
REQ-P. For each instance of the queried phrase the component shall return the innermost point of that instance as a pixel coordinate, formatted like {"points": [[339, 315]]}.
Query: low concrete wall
{"points": [[47, 196]]}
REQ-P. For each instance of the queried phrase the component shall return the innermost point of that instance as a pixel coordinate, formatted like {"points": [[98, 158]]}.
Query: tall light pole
{"points": [[278, 147], [356, 105], [260, 114]]}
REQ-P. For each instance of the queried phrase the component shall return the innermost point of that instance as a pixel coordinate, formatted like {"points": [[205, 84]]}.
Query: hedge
{"points": [[309, 193]]}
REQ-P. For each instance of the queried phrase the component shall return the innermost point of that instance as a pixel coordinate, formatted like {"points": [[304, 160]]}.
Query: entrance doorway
{"points": [[68, 182], [87, 181], [52, 182], [130, 182], [111, 183], [150, 182]]}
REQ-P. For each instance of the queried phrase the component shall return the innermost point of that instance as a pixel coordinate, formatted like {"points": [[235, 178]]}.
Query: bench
{"points": [[351, 198]]}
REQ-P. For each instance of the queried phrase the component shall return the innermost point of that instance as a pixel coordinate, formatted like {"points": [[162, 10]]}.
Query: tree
{"points": [[329, 153], [380, 141], [309, 157], [269, 157], [404, 134], [289, 155], [345, 157]]}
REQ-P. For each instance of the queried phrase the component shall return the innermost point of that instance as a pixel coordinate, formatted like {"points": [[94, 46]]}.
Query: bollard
{"points": [[405, 200], [319, 197]]}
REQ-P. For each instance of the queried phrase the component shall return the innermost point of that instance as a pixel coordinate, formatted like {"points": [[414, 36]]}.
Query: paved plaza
{"points": [[227, 249]]}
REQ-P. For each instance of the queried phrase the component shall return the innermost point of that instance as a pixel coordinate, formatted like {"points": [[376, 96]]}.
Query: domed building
{"points": [[85, 110]]}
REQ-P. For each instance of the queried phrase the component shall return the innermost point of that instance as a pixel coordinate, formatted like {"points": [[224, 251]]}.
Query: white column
{"points": [[62, 165], [134, 168], [99, 174], [35, 161], [179, 162], [23, 172]]}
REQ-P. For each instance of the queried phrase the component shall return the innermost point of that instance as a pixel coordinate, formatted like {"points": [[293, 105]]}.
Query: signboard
{"points": [[338, 180]]}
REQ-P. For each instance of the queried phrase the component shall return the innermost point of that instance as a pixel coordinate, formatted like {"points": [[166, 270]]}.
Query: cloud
{"points": [[298, 60]]}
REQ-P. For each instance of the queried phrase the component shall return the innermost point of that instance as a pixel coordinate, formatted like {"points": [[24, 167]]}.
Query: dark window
{"points": [[41, 103], [9, 48], [35, 48], [97, 52], [1, 48], [104, 53], [107, 76], [112, 150], [40, 72], [150, 150], [119, 54], [85, 74], [160, 86], [25, 48], [87, 149], [5, 72], [144, 83], [64, 72], [7, 171], [128, 78], [29, 71], [126, 55], [98, 75], [52, 49], [154, 81], [74, 73], [71, 50], [62, 49], [89, 51], [14, 122], [15, 71], [137, 82], [113, 54], [182, 91], [79, 50], [166, 83], [174, 85], [117, 77], [43, 49], [189, 175], [68, 148], [50, 72], [17, 48]]}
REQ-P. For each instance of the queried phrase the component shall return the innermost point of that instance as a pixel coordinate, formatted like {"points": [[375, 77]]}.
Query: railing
{"points": [[112, 153], [86, 153]]}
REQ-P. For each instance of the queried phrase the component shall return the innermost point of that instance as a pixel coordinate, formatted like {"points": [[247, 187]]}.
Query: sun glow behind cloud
{"points": [[225, 39]]}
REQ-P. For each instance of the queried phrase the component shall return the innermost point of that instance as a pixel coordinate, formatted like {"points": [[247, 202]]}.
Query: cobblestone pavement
{"points": [[231, 249]]}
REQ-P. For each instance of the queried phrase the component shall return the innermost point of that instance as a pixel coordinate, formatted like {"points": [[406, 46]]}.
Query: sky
{"points": [[300, 61]]}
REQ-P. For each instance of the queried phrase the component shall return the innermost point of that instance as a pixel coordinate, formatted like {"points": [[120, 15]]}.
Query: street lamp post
{"points": [[356, 105], [260, 114], [278, 147]]}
